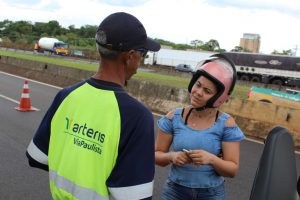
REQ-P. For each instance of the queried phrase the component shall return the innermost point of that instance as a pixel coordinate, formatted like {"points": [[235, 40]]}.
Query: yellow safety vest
{"points": [[85, 134]]}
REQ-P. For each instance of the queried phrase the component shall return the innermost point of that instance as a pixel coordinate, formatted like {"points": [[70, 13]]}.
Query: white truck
{"points": [[172, 58], [52, 45]]}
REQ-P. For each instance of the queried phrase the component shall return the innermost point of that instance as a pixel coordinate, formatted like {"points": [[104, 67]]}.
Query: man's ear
{"points": [[124, 57], [129, 56]]}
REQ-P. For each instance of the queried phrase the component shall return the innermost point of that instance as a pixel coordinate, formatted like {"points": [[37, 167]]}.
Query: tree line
{"points": [[24, 34]]}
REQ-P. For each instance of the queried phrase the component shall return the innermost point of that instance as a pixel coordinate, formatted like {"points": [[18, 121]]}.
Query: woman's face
{"points": [[202, 91]]}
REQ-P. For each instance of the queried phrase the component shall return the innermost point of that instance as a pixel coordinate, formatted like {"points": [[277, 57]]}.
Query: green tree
{"points": [[87, 31], [23, 27], [221, 50], [40, 28], [72, 29], [211, 45], [14, 36], [237, 49], [53, 28], [165, 42], [182, 46], [4, 31], [196, 43], [288, 52]]}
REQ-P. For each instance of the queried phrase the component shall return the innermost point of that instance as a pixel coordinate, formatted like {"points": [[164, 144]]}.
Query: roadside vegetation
{"points": [[240, 91], [52, 60]]}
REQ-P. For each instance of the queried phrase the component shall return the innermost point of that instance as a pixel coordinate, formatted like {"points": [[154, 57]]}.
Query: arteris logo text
{"points": [[84, 130]]}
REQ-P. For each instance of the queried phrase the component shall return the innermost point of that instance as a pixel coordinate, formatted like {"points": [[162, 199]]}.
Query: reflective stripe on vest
{"points": [[37, 154], [76, 190], [84, 140], [132, 192]]}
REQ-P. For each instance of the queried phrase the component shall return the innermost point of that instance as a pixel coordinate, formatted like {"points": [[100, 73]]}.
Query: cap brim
{"points": [[152, 45]]}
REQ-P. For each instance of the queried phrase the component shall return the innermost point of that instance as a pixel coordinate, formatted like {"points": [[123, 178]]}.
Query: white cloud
{"points": [[125, 3], [287, 6], [277, 21]]}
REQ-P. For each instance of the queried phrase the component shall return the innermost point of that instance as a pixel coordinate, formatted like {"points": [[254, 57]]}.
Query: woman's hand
{"points": [[179, 158], [200, 157], [227, 165]]}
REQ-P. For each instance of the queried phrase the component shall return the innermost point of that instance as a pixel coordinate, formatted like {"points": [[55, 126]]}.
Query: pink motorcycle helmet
{"points": [[223, 77]]}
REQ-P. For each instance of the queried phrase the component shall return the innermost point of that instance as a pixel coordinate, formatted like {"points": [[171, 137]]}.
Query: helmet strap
{"points": [[190, 111], [187, 116]]}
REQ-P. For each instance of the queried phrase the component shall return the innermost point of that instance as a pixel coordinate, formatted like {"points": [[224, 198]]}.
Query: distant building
{"points": [[250, 42]]}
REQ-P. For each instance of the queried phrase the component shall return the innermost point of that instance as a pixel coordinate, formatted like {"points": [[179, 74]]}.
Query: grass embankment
{"points": [[240, 91], [52, 59]]}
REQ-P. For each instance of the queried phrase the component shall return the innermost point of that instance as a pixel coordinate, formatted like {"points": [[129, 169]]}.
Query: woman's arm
{"points": [[229, 165], [162, 145], [163, 156]]}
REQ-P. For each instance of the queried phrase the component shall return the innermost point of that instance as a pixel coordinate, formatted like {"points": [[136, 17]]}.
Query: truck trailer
{"points": [[172, 57], [268, 69], [52, 45]]}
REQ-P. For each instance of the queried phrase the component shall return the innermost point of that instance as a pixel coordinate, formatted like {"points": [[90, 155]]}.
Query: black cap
{"points": [[122, 32]]}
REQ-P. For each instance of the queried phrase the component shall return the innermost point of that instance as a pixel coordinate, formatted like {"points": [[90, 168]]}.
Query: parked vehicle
{"points": [[289, 98], [264, 68], [172, 57], [52, 45], [184, 68]]}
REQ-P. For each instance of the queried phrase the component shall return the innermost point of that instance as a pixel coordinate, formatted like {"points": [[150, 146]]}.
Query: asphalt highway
{"points": [[19, 181]]}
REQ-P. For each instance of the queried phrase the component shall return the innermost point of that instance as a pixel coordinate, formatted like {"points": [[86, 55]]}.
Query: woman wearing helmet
{"points": [[205, 142]]}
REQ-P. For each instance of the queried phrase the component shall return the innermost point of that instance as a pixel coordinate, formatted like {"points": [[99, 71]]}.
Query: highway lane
{"points": [[19, 181]]}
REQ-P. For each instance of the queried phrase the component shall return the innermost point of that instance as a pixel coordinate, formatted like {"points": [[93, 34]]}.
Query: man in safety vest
{"points": [[96, 141]]}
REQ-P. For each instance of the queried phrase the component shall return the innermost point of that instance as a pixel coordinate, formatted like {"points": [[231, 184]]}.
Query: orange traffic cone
{"points": [[25, 99]]}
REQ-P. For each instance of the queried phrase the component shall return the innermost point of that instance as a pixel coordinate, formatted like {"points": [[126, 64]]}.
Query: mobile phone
{"points": [[184, 150]]}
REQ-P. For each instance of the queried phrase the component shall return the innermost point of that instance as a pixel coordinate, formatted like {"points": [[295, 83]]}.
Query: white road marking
{"points": [[15, 101], [9, 99], [31, 80]]}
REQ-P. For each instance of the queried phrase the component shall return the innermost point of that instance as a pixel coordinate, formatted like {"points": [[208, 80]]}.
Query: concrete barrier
{"points": [[254, 118]]}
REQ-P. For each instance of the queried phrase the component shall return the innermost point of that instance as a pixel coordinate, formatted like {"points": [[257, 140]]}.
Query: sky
{"points": [[179, 21]]}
